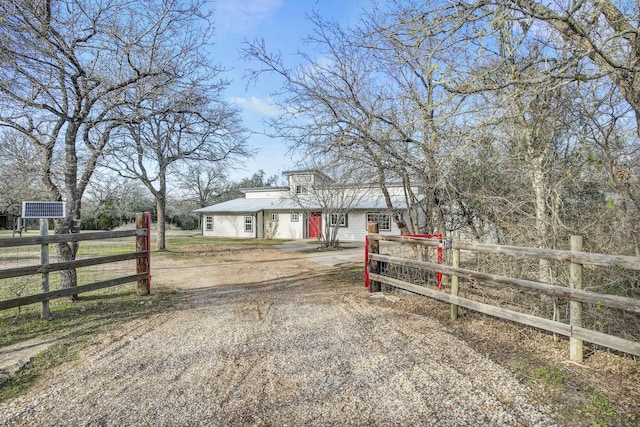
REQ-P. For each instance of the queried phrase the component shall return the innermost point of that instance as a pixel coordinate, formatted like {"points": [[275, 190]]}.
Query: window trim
{"points": [[275, 217], [248, 223], [301, 189], [295, 217], [378, 215], [208, 223], [333, 220]]}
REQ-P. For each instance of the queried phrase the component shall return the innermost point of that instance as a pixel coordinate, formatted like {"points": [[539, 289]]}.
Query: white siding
{"points": [[291, 230], [357, 227], [286, 229], [274, 194], [232, 225], [229, 225], [258, 225], [305, 182]]}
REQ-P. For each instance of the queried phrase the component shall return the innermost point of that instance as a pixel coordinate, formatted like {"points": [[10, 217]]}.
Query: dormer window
{"points": [[301, 189]]}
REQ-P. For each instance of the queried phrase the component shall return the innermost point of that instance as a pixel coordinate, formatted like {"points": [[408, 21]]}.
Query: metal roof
{"points": [[251, 205], [379, 203], [262, 189], [259, 204]]}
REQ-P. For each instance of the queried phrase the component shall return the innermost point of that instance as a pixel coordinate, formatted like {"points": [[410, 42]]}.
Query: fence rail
{"points": [[576, 296], [68, 265], [67, 292], [73, 237], [603, 260], [141, 254]]}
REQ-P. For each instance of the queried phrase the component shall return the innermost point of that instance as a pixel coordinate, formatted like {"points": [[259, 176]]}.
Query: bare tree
{"points": [[203, 183], [258, 179], [373, 96], [111, 201], [503, 125], [524, 93], [613, 178], [604, 32], [66, 70], [20, 164], [182, 124], [599, 42]]}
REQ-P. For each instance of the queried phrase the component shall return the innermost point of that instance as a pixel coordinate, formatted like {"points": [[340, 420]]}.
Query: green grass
{"points": [[28, 285], [7, 233], [550, 377], [176, 241], [18, 383], [602, 409]]}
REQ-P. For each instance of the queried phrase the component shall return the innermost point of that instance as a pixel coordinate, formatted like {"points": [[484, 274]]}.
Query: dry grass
{"points": [[604, 390]]}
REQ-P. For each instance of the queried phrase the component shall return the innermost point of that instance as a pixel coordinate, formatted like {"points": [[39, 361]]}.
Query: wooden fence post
{"points": [[143, 265], [575, 307], [45, 312], [374, 248], [455, 263]]}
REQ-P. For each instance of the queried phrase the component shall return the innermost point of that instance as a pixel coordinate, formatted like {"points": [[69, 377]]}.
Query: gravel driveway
{"points": [[264, 342]]}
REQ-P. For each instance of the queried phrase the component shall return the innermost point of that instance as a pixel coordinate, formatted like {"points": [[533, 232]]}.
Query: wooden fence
{"points": [[574, 292], [141, 255]]}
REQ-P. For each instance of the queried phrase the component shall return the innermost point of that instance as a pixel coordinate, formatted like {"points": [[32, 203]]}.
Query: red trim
{"points": [[147, 220], [367, 281]]}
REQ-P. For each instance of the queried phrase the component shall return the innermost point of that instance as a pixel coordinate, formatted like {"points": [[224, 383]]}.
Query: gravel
{"points": [[294, 350]]}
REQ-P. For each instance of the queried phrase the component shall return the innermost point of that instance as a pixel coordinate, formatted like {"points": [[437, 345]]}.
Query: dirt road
{"points": [[268, 338]]}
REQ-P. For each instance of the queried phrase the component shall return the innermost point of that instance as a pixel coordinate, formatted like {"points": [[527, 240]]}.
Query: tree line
{"points": [[513, 121], [516, 121], [120, 86]]}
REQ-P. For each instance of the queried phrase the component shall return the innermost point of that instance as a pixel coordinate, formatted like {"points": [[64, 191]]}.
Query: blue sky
{"points": [[283, 25]]}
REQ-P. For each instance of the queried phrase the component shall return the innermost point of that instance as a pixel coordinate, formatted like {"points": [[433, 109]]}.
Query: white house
{"points": [[299, 211]]}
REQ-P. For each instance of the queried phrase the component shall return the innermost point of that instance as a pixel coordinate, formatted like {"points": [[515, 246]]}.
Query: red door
{"points": [[315, 225]]}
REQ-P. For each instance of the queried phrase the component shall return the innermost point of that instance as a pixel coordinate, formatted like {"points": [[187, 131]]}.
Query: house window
{"points": [[248, 224], [339, 219], [295, 216], [301, 189], [274, 216], [209, 223], [382, 219]]}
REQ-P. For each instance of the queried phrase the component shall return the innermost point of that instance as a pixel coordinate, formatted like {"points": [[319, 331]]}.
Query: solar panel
{"points": [[43, 210]]}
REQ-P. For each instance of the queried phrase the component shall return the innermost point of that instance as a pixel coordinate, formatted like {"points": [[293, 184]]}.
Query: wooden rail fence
{"points": [[141, 254], [574, 293]]}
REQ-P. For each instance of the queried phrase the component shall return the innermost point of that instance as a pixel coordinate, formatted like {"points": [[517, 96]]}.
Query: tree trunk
{"points": [[540, 190], [68, 250], [542, 219], [161, 205]]}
